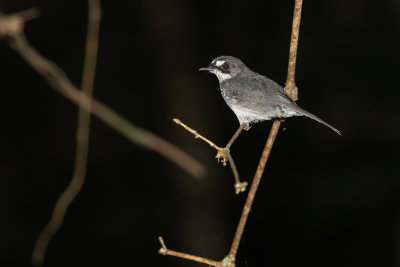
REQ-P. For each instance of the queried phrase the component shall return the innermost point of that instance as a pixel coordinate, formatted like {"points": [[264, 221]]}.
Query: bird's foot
{"points": [[247, 126], [222, 155]]}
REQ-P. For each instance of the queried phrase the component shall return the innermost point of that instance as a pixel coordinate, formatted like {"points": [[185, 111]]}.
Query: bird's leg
{"points": [[223, 154], [242, 126], [222, 151]]}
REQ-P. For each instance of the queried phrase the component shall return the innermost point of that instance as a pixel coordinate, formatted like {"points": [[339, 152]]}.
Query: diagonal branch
{"points": [[82, 136], [59, 81], [253, 189], [165, 251]]}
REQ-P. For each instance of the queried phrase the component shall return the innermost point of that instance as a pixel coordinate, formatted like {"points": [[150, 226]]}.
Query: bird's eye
{"points": [[225, 66]]}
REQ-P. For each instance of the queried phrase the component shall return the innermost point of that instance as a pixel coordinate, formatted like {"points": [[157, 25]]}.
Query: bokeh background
{"points": [[325, 200]]}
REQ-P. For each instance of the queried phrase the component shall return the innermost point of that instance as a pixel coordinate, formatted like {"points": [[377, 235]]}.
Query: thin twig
{"points": [[82, 144], [222, 153], [196, 134], [239, 186], [165, 251]]}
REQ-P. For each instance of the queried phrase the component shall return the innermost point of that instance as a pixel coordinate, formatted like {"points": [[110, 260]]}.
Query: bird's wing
{"points": [[254, 97], [265, 91], [273, 87]]}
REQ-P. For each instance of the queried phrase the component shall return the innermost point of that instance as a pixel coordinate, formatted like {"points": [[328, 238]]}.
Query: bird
{"points": [[253, 97]]}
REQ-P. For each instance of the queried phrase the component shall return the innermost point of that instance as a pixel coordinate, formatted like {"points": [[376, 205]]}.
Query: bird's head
{"points": [[225, 67]]}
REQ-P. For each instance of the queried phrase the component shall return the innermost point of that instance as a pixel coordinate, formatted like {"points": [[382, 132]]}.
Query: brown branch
{"points": [[253, 188], [291, 89], [222, 153], [82, 134], [197, 135], [165, 251], [12, 24]]}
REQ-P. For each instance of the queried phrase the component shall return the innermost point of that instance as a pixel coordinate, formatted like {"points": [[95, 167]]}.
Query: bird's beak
{"points": [[205, 69], [209, 68]]}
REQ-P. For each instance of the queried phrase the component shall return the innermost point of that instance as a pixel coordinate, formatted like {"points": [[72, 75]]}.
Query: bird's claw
{"points": [[222, 155]]}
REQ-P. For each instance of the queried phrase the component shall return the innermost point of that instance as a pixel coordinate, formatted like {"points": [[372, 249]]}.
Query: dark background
{"points": [[325, 200]]}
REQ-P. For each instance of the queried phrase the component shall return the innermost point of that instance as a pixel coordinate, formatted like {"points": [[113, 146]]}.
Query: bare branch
{"points": [[253, 188], [164, 251], [82, 136], [291, 88], [197, 135], [223, 154]]}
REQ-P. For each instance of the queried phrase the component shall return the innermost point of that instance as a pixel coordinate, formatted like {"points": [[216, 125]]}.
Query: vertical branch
{"points": [[82, 135], [291, 89]]}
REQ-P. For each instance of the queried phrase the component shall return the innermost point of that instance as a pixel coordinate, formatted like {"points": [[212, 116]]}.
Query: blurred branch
{"points": [[12, 24], [82, 136], [58, 80], [291, 89], [11, 28]]}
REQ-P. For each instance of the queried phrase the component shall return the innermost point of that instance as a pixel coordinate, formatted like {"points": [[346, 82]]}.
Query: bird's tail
{"points": [[312, 116]]}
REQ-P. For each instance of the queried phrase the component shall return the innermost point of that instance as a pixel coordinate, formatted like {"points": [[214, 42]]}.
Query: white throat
{"points": [[222, 76]]}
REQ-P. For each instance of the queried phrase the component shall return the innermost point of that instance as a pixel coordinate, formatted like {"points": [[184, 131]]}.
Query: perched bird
{"points": [[253, 97]]}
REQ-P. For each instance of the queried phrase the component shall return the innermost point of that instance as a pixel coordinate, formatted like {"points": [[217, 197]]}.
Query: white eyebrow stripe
{"points": [[219, 63]]}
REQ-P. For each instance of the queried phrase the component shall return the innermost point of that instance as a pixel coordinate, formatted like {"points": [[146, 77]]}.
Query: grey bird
{"points": [[253, 97]]}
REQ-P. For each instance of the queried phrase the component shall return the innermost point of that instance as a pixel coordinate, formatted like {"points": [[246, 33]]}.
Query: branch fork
{"points": [[14, 23], [223, 153]]}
